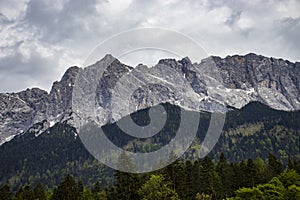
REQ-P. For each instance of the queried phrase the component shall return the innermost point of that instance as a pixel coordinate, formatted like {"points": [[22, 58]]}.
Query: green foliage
{"points": [[248, 194], [202, 179], [68, 189], [5, 193], [289, 177], [203, 196], [274, 189], [252, 131], [157, 188], [293, 192], [47, 158], [274, 166], [226, 173], [39, 192], [249, 133], [25, 193], [127, 183]]}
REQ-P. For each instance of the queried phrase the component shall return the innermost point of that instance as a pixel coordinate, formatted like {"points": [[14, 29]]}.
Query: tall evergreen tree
{"points": [[210, 180], [176, 174], [5, 193], [274, 166], [98, 192], [251, 173], [242, 176], [157, 188], [225, 172], [127, 183], [26, 193], [39, 192], [68, 189], [261, 170], [188, 187]]}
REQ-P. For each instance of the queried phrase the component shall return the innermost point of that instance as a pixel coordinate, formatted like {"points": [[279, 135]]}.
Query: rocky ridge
{"points": [[211, 85]]}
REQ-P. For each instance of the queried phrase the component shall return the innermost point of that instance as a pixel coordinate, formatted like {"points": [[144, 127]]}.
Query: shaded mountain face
{"points": [[255, 130], [211, 85], [20, 111]]}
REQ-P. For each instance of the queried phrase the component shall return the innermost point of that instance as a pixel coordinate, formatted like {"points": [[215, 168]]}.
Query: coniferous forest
{"points": [[149, 100], [260, 159], [202, 179]]}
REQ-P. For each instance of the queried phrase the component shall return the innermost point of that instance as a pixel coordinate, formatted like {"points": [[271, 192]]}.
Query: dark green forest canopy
{"points": [[251, 132], [201, 179]]}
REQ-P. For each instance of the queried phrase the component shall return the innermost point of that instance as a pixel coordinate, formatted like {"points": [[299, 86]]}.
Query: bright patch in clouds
{"points": [[40, 39]]}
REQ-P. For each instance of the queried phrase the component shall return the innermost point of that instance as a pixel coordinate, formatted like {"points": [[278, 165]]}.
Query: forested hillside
{"points": [[200, 180], [254, 131]]}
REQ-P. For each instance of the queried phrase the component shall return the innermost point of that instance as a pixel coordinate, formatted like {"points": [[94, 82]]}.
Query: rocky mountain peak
{"points": [[70, 74], [108, 57], [169, 62], [186, 61], [211, 85]]}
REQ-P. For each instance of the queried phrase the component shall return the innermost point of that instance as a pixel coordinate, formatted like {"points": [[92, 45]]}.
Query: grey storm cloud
{"points": [[40, 39]]}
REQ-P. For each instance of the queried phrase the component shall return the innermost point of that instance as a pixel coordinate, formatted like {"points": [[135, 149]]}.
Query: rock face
{"points": [[274, 82], [211, 85], [20, 111]]}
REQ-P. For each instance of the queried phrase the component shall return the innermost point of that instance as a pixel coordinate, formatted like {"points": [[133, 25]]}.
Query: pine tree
{"points": [[5, 193], [112, 193], [157, 188], [19, 194], [188, 187], [80, 189], [261, 168], [176, 174], [39, 192], [274, 166], [68, 189], [251, 173], [289, 177], [210, 180], [241, 174], [225, 172], [290, 164], [28, 193], [127, 183], [96, 189]]}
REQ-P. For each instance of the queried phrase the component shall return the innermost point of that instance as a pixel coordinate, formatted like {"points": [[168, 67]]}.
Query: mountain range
{"points": [[259, 95], [214, 85]]}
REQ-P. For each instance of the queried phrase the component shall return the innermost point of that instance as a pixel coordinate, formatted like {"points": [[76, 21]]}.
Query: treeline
{"points": [[249, 132], [252, 131], [202, 179], [48, 158]]}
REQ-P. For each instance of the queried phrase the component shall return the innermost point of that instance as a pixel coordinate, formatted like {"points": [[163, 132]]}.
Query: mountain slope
{"points": [[211, 85], [255, 130]]}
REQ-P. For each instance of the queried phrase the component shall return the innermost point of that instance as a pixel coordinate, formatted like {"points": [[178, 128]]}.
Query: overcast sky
{"points": [[40, 39]]}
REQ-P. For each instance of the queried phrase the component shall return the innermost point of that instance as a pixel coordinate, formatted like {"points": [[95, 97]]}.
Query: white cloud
{"points": [[45, 37], [13, 9], [245, 23]]}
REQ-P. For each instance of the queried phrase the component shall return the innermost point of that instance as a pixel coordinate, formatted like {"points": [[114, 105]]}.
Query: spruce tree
{"points": [[5, 193], [68, 189], [274, 166], [210, 180], [39, 192], [225, 172], [176, 174], [127, 183], [188, 187], [157, 188]]}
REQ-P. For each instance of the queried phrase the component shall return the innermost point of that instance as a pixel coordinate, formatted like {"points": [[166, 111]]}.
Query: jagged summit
{"points": [[210, 85], [70, 74], [108, 57]]}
